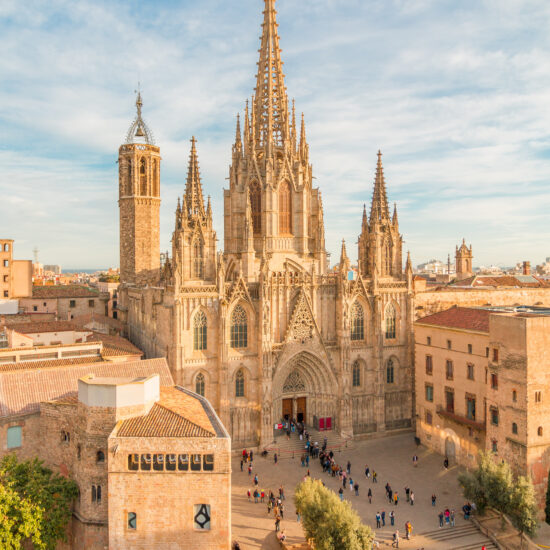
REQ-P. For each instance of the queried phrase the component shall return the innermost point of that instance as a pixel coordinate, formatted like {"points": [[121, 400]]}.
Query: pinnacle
{"points": [[379, 206], [194, 200]]}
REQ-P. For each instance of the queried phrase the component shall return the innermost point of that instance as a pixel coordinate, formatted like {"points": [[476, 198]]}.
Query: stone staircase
{"points": [[293, 447], [462, 537]]}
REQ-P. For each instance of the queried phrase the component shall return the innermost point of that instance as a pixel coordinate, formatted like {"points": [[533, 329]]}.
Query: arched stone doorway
{"points": [[304, 388]]}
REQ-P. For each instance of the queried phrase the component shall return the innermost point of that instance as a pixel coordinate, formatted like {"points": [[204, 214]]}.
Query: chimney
{"points": [[527, 268]]}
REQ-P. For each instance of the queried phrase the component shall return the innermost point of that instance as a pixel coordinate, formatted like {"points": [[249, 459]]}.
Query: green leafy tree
{"points": [[331, 523], [523, 507], [547, 509], [19, 519], [52, 493]]}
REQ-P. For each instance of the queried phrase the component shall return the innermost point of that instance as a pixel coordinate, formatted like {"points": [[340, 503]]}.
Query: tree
{"points": [[19, 519], [547, 509], [331, 523], [493, 485], [51, 493]]}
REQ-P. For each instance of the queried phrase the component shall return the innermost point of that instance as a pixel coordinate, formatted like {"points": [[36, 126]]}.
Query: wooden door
{"points": [[301, 409], [287, 408]]}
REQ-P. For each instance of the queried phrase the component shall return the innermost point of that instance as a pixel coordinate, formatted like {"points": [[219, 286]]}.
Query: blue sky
{"points": [[455, 94]]}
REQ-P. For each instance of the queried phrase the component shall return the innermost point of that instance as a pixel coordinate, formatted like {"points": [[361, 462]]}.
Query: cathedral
{"points": [[265, 330]]}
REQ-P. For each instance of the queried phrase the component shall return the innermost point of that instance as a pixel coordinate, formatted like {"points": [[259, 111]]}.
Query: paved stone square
{"points": [[391, 458]]}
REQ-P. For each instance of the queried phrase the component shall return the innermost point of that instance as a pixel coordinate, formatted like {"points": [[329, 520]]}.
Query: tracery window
{"points": [[357, 331], [293, 383], [198, 259], [199, 331], [199, 384], [285, 209], [256, 205], [239, 384], [142, 177], [390, 372], [356, 374], [239, 328], [390, 321]]}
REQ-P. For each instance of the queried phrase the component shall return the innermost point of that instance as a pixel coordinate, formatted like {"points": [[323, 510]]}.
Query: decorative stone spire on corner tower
{"points": [[379, 211], [193, 187], [464, 257]]}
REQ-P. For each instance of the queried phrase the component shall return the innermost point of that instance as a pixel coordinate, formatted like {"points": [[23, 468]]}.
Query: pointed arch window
{"points": [[357, 331], [199, 331], [239, 384], [239, 328], [199, 384], [130, 182], [388, 249], [256, 205], [356, 380], [390, 321], [390, 372], [198, 259], [285, 209], [143, 177], [155, 178]]}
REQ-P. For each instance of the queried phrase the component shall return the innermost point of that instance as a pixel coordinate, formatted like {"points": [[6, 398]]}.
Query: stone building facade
{"points": [[262, 329], [15, 275], [481, 383]]}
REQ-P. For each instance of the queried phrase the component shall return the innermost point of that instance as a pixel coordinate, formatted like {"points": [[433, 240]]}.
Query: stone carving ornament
{"points": [[293, 383]]}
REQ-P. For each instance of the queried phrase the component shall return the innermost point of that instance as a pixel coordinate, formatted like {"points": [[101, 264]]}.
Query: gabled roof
{"points": [[114, 345], [45, 326], [22, 391], [459, 318]]}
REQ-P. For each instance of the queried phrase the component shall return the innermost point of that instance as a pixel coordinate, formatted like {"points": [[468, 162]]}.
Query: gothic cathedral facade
{"points": [[264, 329]]}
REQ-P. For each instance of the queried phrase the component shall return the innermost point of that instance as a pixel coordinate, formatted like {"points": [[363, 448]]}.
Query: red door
{"points": [[321, 424], [328, 423]]}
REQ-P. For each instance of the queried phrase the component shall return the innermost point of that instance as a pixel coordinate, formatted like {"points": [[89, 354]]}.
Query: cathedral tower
{"points": [[380, 244], [139, 204], [194, 240], [270, 193], [463, 258]]}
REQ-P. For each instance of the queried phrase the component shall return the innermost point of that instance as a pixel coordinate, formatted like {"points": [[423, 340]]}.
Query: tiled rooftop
{"points": [[64, 291], [115, 346], [49, 363], [44, 326], [502, 281], [459, 317]]}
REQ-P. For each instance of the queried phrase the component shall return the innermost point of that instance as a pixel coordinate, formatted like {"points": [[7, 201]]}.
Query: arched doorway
{"points": [[450, 450], [304, 389]]}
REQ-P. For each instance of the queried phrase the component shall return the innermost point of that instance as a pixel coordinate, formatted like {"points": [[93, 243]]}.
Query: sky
{"points": [[455, 94]]}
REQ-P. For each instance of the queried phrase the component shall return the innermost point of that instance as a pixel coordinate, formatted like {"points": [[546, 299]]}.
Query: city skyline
{"points": [[454, 98]]}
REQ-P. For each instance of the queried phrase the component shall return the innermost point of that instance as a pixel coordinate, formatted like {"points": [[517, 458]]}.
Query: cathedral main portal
{"points": [[304, 389]]}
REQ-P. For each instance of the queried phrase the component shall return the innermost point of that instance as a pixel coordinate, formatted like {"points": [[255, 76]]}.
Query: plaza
{"points": [[391, 459]]}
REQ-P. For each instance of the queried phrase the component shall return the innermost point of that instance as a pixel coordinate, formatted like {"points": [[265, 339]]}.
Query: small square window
{"points": [[170, 462], [195, 463], [6, 294], [14, 437], [146, 462], [201, 517], [429, 393], [469, 348], [158, 463], [6, 263], [429, 419], [132, 520], [208, 463], [35, 308], [514, 428], [495, 355], [470, 372], [494, 416], [72, 303], [133, 462], [91, 303], [183, 463]]}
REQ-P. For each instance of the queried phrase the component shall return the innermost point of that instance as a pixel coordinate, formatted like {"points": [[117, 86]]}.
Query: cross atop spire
{"points": [[139, 129], [194, 201], [270, 101], [379, 210]]}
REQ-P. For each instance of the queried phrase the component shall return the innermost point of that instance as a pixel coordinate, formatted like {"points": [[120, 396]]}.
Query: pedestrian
{"points": [[447, 516], [249, 469], [348, 468], [256, 496], [395, 543], [367, 471], [297, 517], [350, 484], [392, 517], [396, 498], [433, 500], [374, 477], [307, 460], [369, 494], [275, 458], [344, 482], [262, 495], [251, 456], [409, 528], [256, 480], [269, 506], [282, 511], [383, 518], [452, 518], [415, 461], [277, 523], [281, 493], [378, 517], [441, 515], [390, 495], [341, 493], [248, 494], [242, 464], [407, 492], [412, 498], [356, 487], [446, 463]]}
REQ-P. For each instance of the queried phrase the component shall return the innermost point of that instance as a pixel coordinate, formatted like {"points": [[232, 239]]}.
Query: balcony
{"points": [[459, 419]]}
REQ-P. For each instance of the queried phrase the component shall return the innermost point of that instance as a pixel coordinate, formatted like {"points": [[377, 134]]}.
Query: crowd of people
{"points": [[331, 467]]}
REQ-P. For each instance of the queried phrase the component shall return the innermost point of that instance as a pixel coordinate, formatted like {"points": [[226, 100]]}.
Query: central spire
{"points": [[193, 188], [270, 101], [379, 210]]}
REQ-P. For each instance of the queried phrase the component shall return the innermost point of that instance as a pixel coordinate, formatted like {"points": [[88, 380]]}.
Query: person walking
{"points": [[297, 517], [407, 492], [281, 493], [447, 516], [369, 494], [452, 518], [374, 477], [367, 471], [242, 464], [396, 498], [441, 515], [282, 511], [341, 493], [412, 498], [356, 487], [392, 518], [262, 495], [275, 458], [415, 461], [446, 463], [250, 469], [251, 456], [378, 518], [348, 467], [248, 494], [395, 543], [408, 529], [350, 484], [256, 480], [390, 494], [434, 498], [383, 518], [277, 523], [269, 506]]}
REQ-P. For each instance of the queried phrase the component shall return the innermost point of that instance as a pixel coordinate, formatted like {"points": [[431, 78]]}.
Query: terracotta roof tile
{"points": [[22, 391], [44, 326], [163, 422], [51, 363], [64, 291], [115, 346], [459, 317]]}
